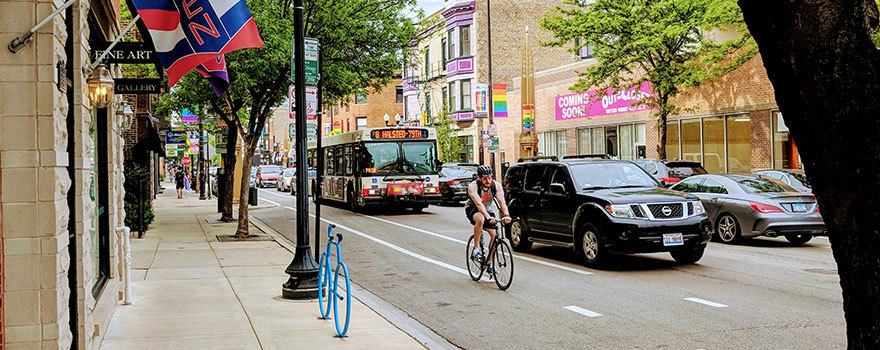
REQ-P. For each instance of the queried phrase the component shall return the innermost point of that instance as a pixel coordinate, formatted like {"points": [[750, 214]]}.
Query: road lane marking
{"points": [[397, 248], [276, 203], [705, 302], [582, 311], [537, 261]]}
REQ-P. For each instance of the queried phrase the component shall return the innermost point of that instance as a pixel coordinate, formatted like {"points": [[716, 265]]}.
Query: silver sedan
{"points": [[285, 180], [745, 206]]}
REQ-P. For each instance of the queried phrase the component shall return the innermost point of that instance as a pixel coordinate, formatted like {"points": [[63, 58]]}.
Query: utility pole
{"points": [[202, 143], [319, 155], [491, 92], [303, 270]]}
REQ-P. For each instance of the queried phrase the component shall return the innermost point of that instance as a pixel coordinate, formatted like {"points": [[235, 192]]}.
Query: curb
{"points": [[397, 317]]}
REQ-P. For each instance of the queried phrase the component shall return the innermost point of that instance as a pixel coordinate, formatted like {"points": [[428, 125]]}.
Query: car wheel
{"points": [[727, 229], [519, 237], [798, 239], [688, 256], [590, 246]]}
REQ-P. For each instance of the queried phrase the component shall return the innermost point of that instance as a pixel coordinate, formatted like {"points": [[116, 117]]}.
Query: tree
{"points": [[825, 70], [449, 146], [668, 43], [361, 44]]}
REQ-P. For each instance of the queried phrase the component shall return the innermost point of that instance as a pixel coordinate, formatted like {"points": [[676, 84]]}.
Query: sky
{"points": [[431, 6]]}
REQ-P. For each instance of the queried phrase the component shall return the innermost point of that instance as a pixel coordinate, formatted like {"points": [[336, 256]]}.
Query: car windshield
{"points": [[393, 157], [685, 170], [456, 172], [611, 175], [289, 172], [271, 170], [801, 178], [763, 184]]}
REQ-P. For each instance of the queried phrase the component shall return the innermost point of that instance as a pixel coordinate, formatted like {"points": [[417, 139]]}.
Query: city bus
{"points": [[390, 167]]}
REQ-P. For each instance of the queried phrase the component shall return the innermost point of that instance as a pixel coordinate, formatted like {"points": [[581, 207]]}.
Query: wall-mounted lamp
{"points": [[100, 85], [124, 116]]}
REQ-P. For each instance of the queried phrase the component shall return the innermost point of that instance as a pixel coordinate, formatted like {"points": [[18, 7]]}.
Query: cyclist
{"points": [[480, 208]]}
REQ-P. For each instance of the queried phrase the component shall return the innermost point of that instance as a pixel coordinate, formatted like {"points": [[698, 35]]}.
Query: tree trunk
{"points": [[250, 142], [229, 165], [825, 72], [661, 133]]}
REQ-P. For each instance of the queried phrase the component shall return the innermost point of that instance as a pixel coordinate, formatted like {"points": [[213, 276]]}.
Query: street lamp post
{"points": [[303, 270], [491, 92]]}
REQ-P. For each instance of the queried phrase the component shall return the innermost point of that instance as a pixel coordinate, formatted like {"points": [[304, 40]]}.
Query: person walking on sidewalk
{"points": [[179, 179]]}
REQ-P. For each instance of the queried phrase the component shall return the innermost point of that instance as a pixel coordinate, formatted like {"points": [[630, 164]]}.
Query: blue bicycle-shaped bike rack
{"points": [[334, 295]]}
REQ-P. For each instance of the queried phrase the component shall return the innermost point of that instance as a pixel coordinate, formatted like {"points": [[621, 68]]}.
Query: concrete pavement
{"points": [[191, 291]]}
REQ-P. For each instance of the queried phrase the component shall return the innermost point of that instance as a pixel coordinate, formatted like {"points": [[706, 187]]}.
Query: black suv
{"points": [[599, 207]]}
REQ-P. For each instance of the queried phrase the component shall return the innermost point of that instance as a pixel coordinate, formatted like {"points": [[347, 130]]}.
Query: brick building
{"points": [[730, 125], [61, 196], [452, 61], [367, 110]]}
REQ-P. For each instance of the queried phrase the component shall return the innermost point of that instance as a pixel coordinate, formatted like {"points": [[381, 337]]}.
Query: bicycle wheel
{"points": [[324, 283], [475, 267], [342, 295], [503, 261]]}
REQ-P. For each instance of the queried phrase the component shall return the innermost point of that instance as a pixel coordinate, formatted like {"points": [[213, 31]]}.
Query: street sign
{"points": [[493, 144], [311, 132], [311, 48], [186, 161], [493, 129], [175, 138], [311, 102], [137, 86], [291, 93], [291, 130], [127, 52], [221, 137], [170, 151]]}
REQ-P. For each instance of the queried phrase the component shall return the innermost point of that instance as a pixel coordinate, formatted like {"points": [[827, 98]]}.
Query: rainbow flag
{"points": [[499, 99]]}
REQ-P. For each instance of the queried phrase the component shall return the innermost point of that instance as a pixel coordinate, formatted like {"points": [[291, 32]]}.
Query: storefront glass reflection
{"points": [[690, 140], [713, 144], [739, 150]]}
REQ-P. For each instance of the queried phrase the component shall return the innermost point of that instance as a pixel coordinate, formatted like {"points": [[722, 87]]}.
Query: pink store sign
{"points": [[587, 104]]}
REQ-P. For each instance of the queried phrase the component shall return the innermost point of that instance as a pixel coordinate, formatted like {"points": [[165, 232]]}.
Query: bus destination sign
{"points": [[383, 134]]}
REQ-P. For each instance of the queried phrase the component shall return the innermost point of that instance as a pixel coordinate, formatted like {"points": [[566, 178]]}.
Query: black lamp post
{"points": [[303, 270]]}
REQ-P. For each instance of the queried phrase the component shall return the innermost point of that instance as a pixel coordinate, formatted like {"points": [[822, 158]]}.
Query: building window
{"points": [[359, 99], [625, 140], [466, 95], [583, 52], [549, 143], [361, 123], [452, 105], [583, 136], [427, 63], [398, 94], [690, 140], [449, 42], [467, 142], [561, 143], [465, 40], [100, 234], [739, 143], [445, 98], [721, 144], [597, 137], [785, 152], [443, 49], [713, 144], [673, 141]]}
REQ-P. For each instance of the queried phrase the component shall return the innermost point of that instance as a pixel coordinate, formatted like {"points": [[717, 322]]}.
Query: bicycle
{"points": [[333, 296], [502, 258]]}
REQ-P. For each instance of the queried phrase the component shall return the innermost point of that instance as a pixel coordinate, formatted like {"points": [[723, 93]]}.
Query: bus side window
{"points": [[340, 167], [349, 161], [328, 157]]}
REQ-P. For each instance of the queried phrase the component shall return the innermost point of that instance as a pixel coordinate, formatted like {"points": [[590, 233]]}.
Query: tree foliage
{"points": [[671, 44], [448, 144], [361, 46]]}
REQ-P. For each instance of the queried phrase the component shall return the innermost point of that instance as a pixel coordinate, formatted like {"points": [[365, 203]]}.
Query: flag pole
{"points": [[303, 270]]}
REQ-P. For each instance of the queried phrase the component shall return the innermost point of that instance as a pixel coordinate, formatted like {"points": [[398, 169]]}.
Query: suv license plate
{"points": [[672, 239]]}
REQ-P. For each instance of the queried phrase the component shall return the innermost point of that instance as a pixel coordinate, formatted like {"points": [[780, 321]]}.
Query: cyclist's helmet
{"points": [[484, 170]]}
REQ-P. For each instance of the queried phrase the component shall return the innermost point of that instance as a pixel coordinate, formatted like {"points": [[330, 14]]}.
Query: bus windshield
{"points": [[399, 157]]}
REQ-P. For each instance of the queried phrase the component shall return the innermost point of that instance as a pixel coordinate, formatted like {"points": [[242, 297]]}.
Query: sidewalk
{"points": [[192, 292]]}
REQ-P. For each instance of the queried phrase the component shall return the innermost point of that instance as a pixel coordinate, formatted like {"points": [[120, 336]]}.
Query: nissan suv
{"points": [[601, 207]]}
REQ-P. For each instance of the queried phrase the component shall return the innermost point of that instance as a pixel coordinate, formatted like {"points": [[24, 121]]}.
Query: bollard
{"points": [[252, 197]]}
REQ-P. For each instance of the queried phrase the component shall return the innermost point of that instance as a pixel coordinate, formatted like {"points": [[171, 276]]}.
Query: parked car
{"points": [[454, 181], [795, 178], [744, 205], [286, 179], [599, 207], [669, 172], [267, 175]]}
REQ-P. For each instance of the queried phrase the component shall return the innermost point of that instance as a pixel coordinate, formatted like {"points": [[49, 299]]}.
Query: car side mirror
{"points": [[557, 188]]}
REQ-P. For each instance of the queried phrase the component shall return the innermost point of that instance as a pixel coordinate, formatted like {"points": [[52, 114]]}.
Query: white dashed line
{"points": [[276, 203], [705, 302], [582, 311]]}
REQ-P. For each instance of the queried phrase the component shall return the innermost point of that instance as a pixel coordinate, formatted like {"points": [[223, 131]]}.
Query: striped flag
{"points": [[499, 98], [189, 33], [215, 71]]}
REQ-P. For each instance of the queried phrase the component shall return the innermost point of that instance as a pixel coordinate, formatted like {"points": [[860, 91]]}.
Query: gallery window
{"points": [[720, 143]]}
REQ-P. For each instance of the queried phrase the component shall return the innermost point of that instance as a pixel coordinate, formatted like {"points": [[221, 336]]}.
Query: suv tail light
{"points": [[765, 208], [670, 179]]}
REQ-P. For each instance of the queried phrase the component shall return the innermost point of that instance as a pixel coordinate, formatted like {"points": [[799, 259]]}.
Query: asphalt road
{"points": [[762, 294]]}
